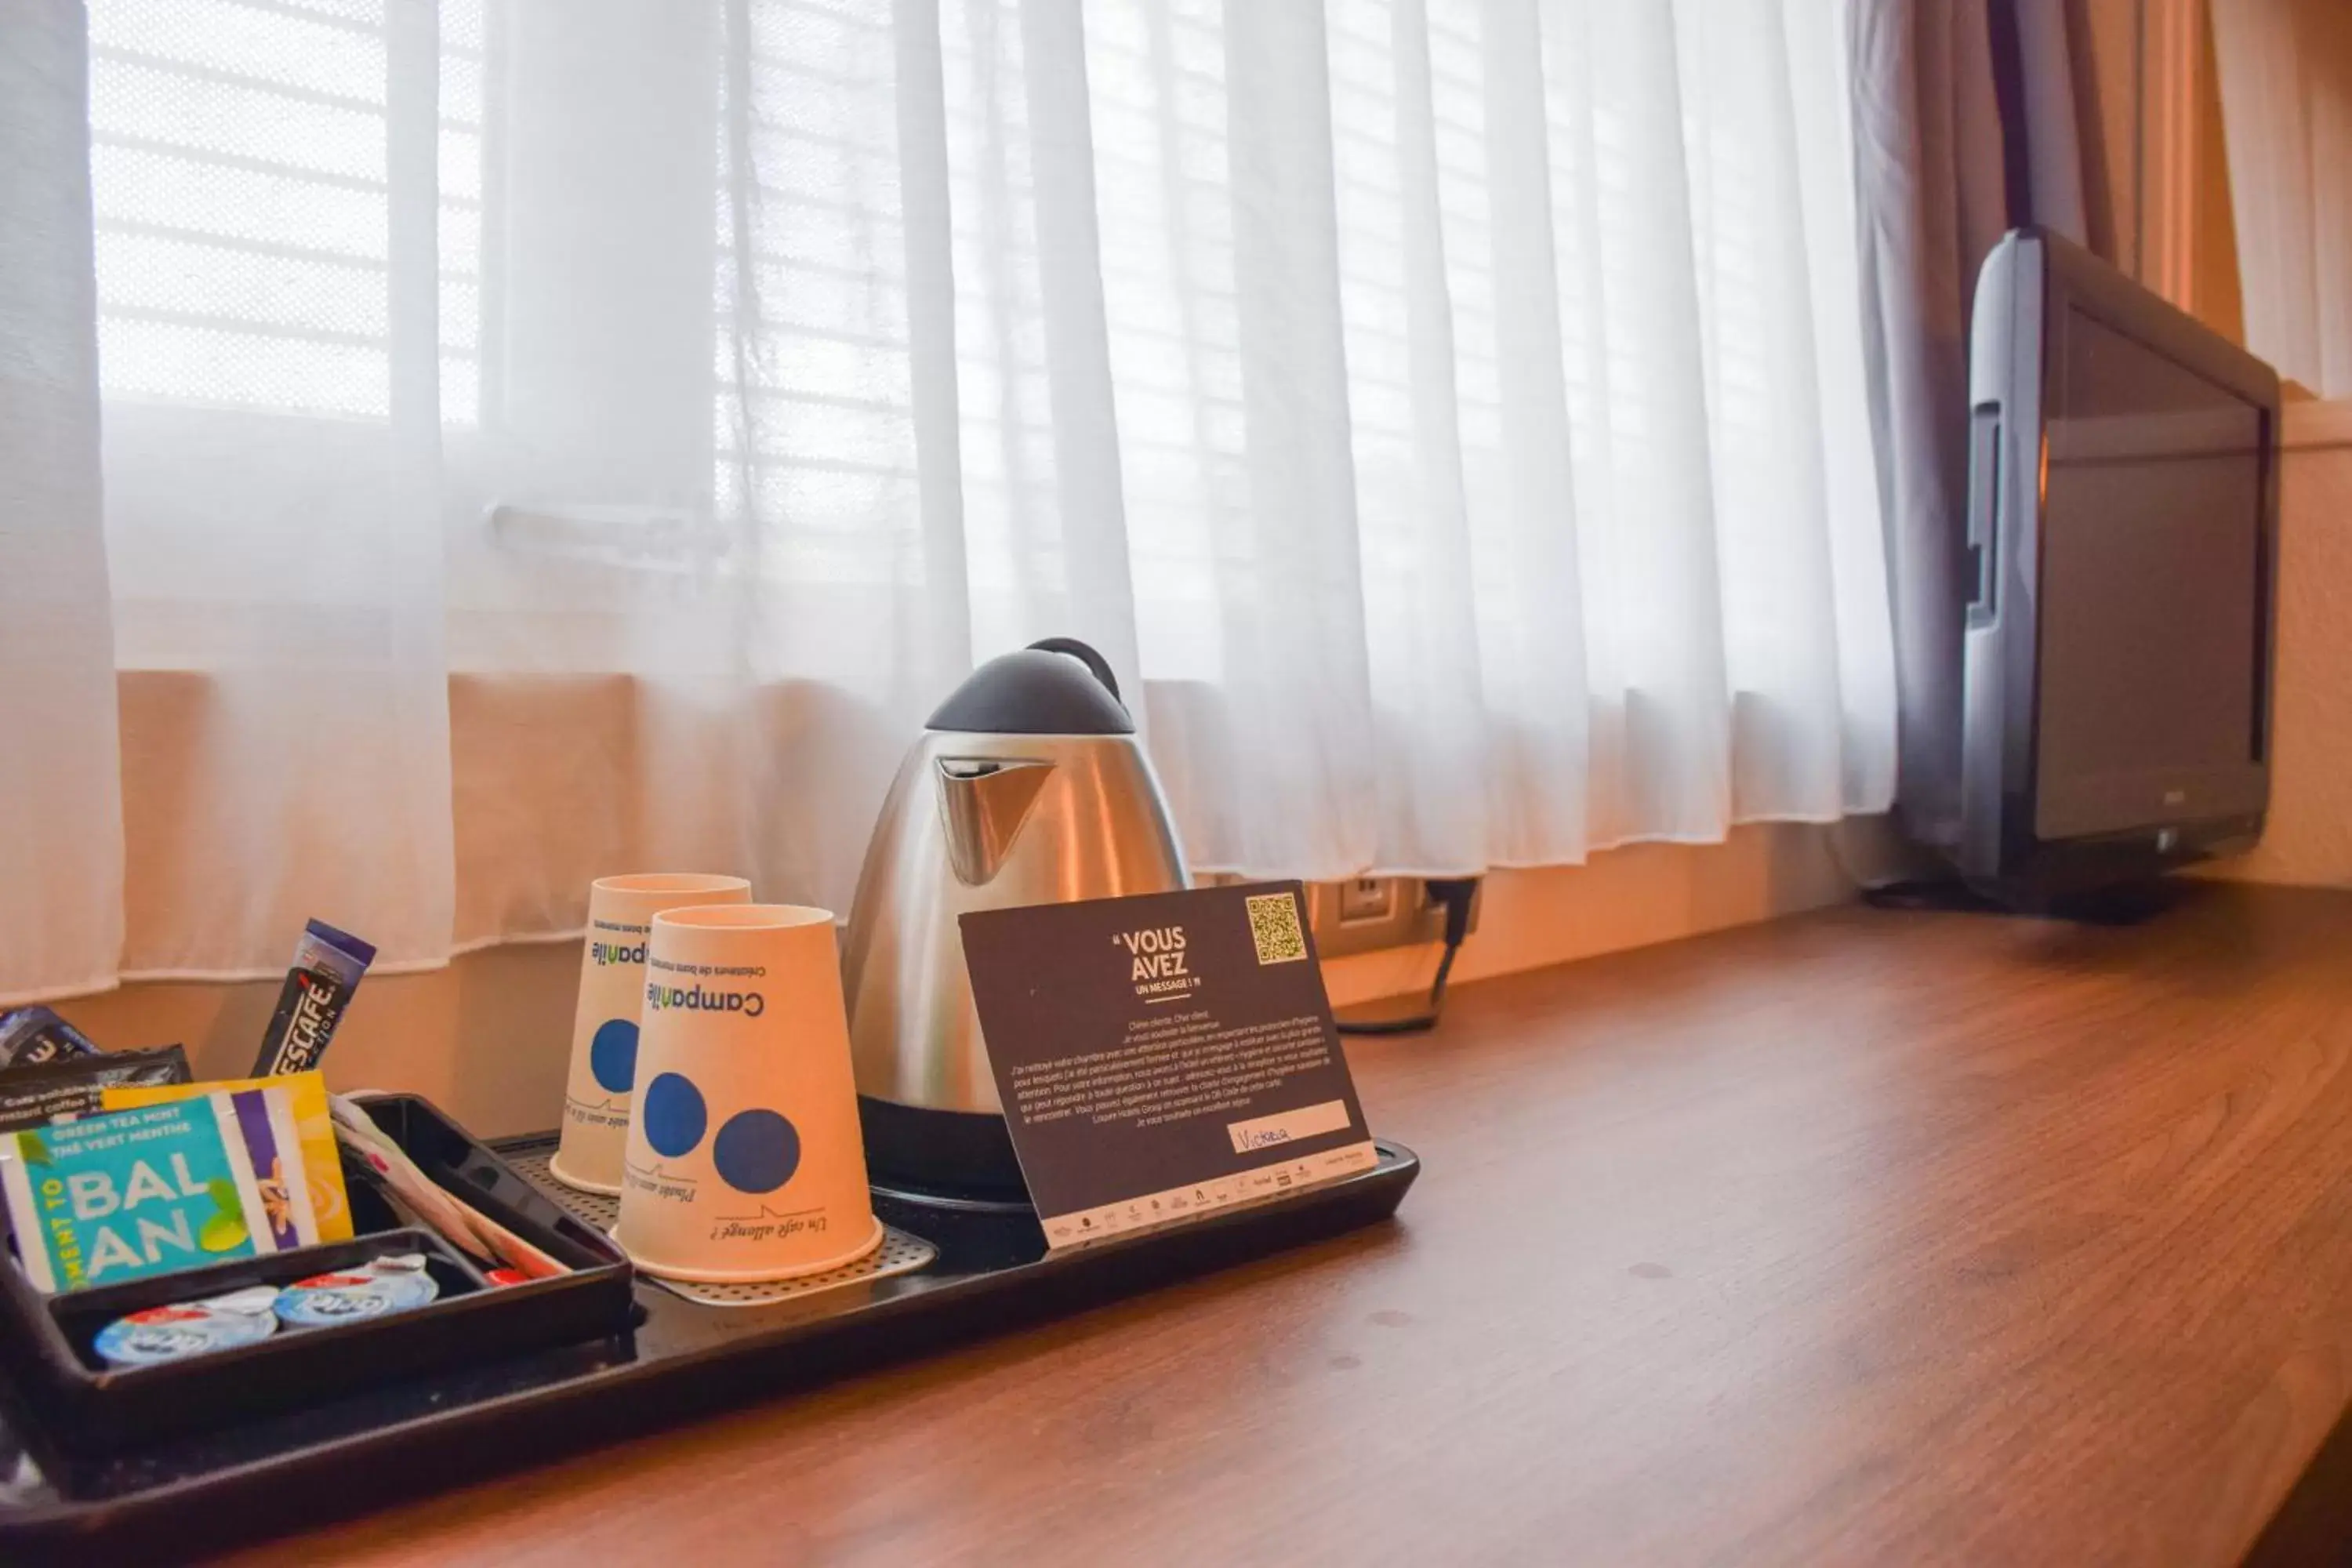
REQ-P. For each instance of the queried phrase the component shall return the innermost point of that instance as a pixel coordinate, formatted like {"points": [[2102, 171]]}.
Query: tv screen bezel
{"points": [[2029, 284]]}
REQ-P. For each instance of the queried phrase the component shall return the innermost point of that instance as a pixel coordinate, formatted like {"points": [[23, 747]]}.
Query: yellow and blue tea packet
{"points": [[314, 1134], [212, 1177]]}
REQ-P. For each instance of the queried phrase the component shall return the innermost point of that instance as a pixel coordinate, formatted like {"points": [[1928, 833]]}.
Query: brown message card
{"points": [[1164, 1056]]}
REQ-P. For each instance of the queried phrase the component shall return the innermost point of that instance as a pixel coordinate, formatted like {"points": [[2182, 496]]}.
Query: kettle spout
{"points": [[983, 802]]}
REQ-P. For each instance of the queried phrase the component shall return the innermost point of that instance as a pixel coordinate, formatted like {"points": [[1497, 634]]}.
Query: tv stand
{"points": [[2128, 903]]}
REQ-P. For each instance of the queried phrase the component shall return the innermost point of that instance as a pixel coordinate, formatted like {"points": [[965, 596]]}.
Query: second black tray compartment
{"points": [[92, 1405], [79, 1407]]}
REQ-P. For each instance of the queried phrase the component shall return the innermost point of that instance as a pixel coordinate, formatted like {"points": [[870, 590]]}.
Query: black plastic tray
{"points": [[179, 1498]]}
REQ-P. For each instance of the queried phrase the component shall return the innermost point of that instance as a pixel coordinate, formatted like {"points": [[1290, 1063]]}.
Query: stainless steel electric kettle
{"points": [[1027, 787]]}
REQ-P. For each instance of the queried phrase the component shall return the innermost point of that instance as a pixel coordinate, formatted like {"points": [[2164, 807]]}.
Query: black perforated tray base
{"points": [[992, 1273]]}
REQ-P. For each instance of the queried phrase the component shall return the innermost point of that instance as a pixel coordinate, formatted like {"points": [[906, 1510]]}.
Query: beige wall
{"points": [[485, 1037], [2309, 840]]}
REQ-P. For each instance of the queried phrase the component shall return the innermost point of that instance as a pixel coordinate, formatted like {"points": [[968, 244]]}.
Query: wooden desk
{"points": [[1862, 1236]]}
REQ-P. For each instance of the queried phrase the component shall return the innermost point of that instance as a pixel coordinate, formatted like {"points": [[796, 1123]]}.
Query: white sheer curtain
{"points": [[541, 439], [61, 801]]}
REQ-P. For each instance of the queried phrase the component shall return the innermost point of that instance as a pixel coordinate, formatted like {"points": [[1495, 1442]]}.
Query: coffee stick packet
{"points": [[31, 1035], [30, 1096], [328, 966]]}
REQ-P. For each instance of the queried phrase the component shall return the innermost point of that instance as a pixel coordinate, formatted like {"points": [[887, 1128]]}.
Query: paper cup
{"points": [[745, 1161], [596, 1097]]}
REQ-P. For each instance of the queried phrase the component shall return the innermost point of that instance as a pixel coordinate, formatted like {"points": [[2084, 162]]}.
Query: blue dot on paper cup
{"points": [[613, 1055], [757, 1152], [672, 1114]]}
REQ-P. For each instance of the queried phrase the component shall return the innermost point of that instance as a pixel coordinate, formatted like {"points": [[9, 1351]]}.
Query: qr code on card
{"points": [[1274, 926]]}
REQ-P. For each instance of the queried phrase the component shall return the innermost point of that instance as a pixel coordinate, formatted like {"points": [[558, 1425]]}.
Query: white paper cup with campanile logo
{"points": [[598, 1094], [745, 1161]]}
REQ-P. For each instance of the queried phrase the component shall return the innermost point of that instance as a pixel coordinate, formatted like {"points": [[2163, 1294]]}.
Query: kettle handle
{"points": [[1083, 654]]}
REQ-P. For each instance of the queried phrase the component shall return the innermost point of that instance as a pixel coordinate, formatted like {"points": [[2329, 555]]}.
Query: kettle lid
{"points": [[1038, 691]]}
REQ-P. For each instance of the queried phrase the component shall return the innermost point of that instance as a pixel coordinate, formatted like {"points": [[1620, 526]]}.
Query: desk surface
{"points": [[1857, 1237]]}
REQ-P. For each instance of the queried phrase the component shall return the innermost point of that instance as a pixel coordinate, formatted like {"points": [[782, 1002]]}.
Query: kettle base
{"points": [[951, 1153]]}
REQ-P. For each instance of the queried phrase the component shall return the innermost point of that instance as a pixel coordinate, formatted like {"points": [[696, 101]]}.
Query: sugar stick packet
{"points": [[460, 1223], [328, 966], [136, 1193], [314, 1131]]}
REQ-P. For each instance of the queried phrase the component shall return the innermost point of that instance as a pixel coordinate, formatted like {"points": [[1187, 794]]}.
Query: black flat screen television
{"points": [[2123, 536]]}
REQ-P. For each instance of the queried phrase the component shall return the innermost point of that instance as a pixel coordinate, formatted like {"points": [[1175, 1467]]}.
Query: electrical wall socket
{"points": [[1363, 899], [1365, 914]]}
